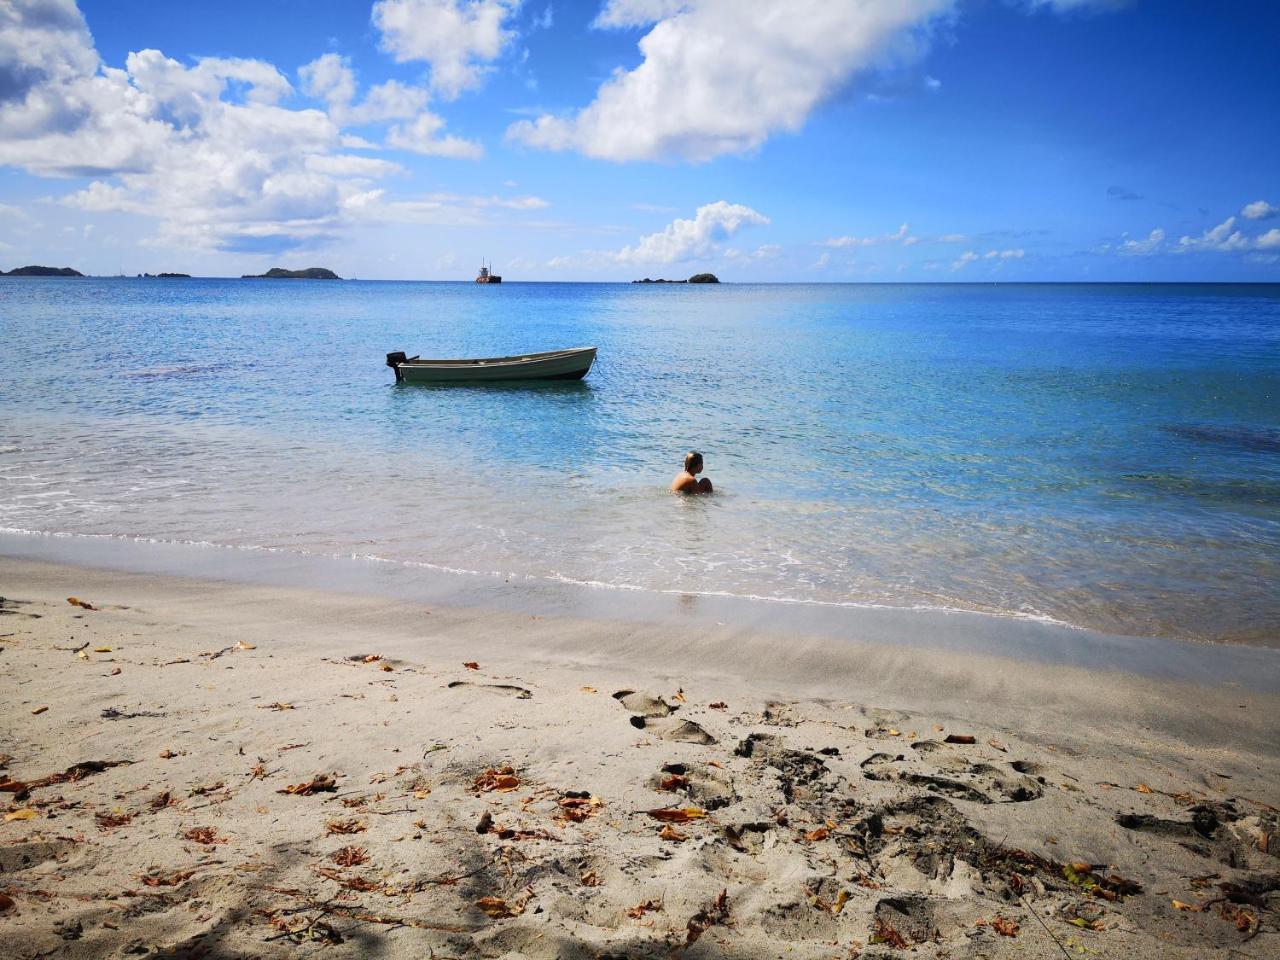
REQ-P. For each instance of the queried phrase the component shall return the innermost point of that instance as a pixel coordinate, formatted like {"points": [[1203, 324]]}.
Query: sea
{"points": [[1100, 456]]}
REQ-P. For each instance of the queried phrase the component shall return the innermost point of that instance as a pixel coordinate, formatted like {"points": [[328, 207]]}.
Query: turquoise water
{"points": [[1106, 456]]}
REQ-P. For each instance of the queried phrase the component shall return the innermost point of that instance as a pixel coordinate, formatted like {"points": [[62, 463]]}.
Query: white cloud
{"points": [[205, 148], [331, 79], [822, 262], [902, 235], [721, 76], [423, 136], [964, 260], [972, 256], [952, 238], [691, 239], [442, 209], [1222, 238], [766, 251], [1068, 6], [1269, 240], [458, 39], [1259, 210], [1152, 244]]}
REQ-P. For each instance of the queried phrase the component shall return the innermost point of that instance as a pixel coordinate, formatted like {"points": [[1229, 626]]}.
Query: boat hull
{"points": [[557, 365]]}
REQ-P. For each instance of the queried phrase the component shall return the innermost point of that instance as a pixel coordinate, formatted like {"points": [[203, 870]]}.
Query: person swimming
{"points": [[688, 482]]}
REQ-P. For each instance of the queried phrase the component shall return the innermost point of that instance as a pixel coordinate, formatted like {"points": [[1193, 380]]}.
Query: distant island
{"points": [[165, 276], [279, 273], [696, 278], [35, 271]]}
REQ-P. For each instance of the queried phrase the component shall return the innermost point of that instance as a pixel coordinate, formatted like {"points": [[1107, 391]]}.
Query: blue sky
{"points": [[614, 139]]}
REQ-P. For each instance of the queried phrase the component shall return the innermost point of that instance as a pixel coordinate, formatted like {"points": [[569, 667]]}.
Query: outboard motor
{"points": [[394, 360]]}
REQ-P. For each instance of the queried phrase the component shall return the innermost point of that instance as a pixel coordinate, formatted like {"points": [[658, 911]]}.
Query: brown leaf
{"points": [[960, 738], [707, 917], [321, 783], [76, 602], [814, 835], [883, 932], [576, 807], [676, 814], [640, 909], [500, 780], [590, 879], [26, 813], [718, 705], [109, 821], [344, 826], [277, 706], [499, 909], [372, 658], [672, 834], [1143, 788], [993, 742], [672, 783], [165, 879], [1004, 927], [6, 903], [38, 710], [349, 856], [1189, 907], [679, 695], [471, 665], [205, 835], [589, 690]]}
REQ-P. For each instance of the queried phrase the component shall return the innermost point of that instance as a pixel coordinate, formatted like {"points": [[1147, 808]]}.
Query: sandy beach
{"points": [[204, 769]]}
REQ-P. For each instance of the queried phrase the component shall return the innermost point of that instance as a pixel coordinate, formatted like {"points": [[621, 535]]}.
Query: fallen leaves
{"points": [[350, 856], [882, 931], [205, 835], [26, 813], [499, 909], [588, 690], [154, 879], [278, 705], [646, 906], [676, 814], [471, 665], [1111, 887], [344, 827], [965, 738], [718, 705], [1143, 788], [576, 806], [815, 835], [830, 906], [116, 818], [708, 917], [6, 903], [83, 604], [38, 710], [673, 783], [322, 783], [590, 879], [672, 835], [997, 745], [500, 780], [1188, 907], [1004, 926]]}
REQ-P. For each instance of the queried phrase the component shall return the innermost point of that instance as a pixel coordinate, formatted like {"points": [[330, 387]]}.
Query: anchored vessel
{"points": [[554, 365], [487, 275]]}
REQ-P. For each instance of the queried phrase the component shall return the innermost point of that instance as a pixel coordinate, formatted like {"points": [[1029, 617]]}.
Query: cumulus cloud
{"points": [[458, 39], [692, 239], [1259, 210], [1223, 238], [1152, 244], [902, 235], [1269, 240], [206, 147], [424, 136], [721, 76]]}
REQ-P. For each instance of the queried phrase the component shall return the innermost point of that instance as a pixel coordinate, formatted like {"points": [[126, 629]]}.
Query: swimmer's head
{"points": [[693, 462]]}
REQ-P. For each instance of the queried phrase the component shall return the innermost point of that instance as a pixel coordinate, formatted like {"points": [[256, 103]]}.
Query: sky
{"points": [[762, 140]]}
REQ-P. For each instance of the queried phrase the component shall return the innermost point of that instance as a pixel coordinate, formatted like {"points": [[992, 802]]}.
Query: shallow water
{"points": [[1105, 456]]}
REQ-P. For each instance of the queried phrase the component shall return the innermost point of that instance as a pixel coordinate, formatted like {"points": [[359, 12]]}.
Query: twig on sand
{"points": [[1052, 937]]}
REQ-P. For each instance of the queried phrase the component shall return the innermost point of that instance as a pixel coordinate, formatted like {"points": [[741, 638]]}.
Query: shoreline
{"points": [[829, 804], [1012, 636]]}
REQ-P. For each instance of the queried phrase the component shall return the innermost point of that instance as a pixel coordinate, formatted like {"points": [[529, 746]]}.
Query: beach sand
{"points": [[205, 769]]}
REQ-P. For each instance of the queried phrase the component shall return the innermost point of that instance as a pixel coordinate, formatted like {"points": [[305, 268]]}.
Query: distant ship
{"points": [[487, 276]]}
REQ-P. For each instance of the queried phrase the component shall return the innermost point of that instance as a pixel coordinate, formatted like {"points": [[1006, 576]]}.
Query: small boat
{"points": [[487, 275], [554, 365]]}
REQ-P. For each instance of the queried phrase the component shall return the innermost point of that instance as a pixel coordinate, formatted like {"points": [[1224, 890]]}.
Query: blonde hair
{"points": [[692, 459]]}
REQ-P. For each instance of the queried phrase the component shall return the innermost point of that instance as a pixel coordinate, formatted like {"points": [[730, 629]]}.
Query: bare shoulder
{"points": [[684, 483]]}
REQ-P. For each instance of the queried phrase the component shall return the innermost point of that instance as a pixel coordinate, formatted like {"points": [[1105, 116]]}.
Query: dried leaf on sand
{"points": [[500, 780], [671, 834], [706, 918], [471, 665], [165, 879], [640, 909], [676, 814], [322, 783], [205, 835], [349, 856], [500, 909], [344, 826]]}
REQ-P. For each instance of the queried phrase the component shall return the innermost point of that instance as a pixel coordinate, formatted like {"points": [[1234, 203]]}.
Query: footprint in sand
{"points": [[507, 689], [652, 714]]}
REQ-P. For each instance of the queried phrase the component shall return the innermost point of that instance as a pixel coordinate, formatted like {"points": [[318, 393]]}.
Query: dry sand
{"points": [[812, 798]]}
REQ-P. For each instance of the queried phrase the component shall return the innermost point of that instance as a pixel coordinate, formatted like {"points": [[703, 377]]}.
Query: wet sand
{"points": [[482, 782]]}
